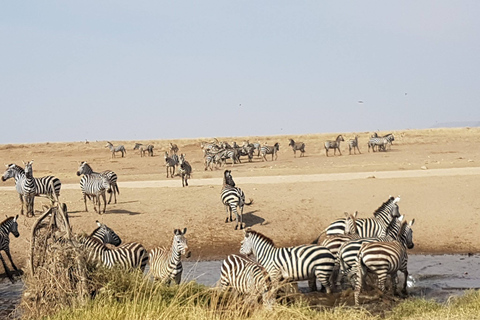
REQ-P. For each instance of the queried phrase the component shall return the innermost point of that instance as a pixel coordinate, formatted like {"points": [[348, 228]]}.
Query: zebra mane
{"points": [[385, 205], [261, 236], [8, 219], [16, 167]]}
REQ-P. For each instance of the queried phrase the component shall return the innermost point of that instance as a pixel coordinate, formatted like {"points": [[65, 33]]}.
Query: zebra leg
{"points": [[22, 203], [404, 289], [104, 202], [7, 251], [85, 201], [7, 271], [227, 209], [361, 270]]}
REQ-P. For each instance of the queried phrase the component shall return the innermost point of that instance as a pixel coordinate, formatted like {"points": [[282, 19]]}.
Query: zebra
{"points": [[224, 154], [95, 185], [8, 225], [264, 150], [185, 170], [256, 146], [246, 277], [297, 146], [369, 227], [166, 265], [129, 256], [335, 145], [381, 143], [29, 188], [119, 148], [43, 185], [334, 242], [105, 235], [173, 148], [85, 168], [353, 144], [383, 258], [170, 163], [233, 197], [304, 262], [144, 148]]}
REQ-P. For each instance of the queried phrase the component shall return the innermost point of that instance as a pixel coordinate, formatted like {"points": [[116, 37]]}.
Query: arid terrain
{"points": [[434, 171]]}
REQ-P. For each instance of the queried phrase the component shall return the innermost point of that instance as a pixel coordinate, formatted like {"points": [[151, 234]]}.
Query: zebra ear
{"points": [[396, 199], [184, 230], [355, 214], [346, 214], [410, 223], [176, 231], [98, 223], [16, 218], [401, 218]]}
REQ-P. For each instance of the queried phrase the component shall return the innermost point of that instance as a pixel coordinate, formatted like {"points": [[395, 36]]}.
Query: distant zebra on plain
{"points": [[380, 143], [353, 144], [297, 146], [304, 262], [382, 259], [9, 225], [335, 145], [173, 148], [165, 264], [85, 168], [94, 186], [232, 198], [246, 277], [115, 149], [144, 148], [170, 163], [264, 150], [185, 170]]}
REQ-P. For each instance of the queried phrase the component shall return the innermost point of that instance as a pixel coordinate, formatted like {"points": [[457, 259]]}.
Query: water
{"points": [[430, 276]]}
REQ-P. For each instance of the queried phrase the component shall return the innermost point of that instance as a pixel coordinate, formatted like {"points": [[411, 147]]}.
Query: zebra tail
{"points": [[116, 188], [251, 202]]}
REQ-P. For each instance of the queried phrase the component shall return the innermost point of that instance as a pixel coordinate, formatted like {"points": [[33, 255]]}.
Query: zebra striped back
{"points": [[166, 265], [114, 149], [297, 146], [247, 277], [264, 150], [305, 262], [105, 235], [335, 145]]}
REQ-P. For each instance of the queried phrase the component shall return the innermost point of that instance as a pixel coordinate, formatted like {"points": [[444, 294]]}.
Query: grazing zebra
{"points": [[173, 148], [246, 277], [170, 163], [105, 235], [8, 225], [384, 258], [335, 145], [264, 150], [381, 143], [369, 227], [129, 256], [95, 185], [85, 168], [353, 144], [305, 262], [144, 148], [185, 170], [43, 185], [119, 148], [297, 146], [233, 197], [166, 265]]}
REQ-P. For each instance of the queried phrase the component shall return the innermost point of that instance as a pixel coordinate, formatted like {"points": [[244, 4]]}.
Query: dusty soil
{"points": [[294, 198]]}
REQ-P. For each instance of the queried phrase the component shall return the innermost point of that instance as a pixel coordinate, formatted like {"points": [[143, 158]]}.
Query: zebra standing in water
{"points": [[335, 145], [297, 146], [383, 258], [170, 163], [105, 235], [43, 185], [185, 170], [166, 265], [305, 262], [233, 197], [353, 144], [8, 225], [95, 185], [264, 150], [247, 277], [129, 256], [144, 148], [119, 148], [85, 168]]}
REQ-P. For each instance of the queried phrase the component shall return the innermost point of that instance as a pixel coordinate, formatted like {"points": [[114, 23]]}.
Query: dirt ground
{"points": [[434, 171]]}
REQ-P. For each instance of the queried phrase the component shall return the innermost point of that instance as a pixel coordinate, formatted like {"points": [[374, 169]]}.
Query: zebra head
{"points": [[180, 242], [339, 138], [228, 179], [84, 168], [351, 223], [12, 171], [28, 169], [108, 145], [291, 143], [276, 146], [106, 183], [106, 235], [12, 225], [256, 244], [137, 145], [405, 234]]}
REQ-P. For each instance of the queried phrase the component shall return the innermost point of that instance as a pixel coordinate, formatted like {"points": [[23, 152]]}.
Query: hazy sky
{"points": [[133, 70]]}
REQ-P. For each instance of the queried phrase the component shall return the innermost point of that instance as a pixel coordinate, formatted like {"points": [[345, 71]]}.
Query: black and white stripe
{"points": [[353, 144], [305, 262], [94, 186], [335, 145], [232, 198], [165, 264], [385, 258], [115, 149], [85, 168], [105, 235], [8, 226], [144, 148], [185, 170], [173, 148], [379, 143], [246, 277], [264, 150], [297, 146], [170, 163]]}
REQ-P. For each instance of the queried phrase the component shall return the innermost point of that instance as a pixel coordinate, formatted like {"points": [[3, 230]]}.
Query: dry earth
{"points": [[294, 198]]}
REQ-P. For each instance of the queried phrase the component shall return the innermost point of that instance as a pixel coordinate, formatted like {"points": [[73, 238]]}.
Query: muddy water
{"points": [[431, 276]]}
